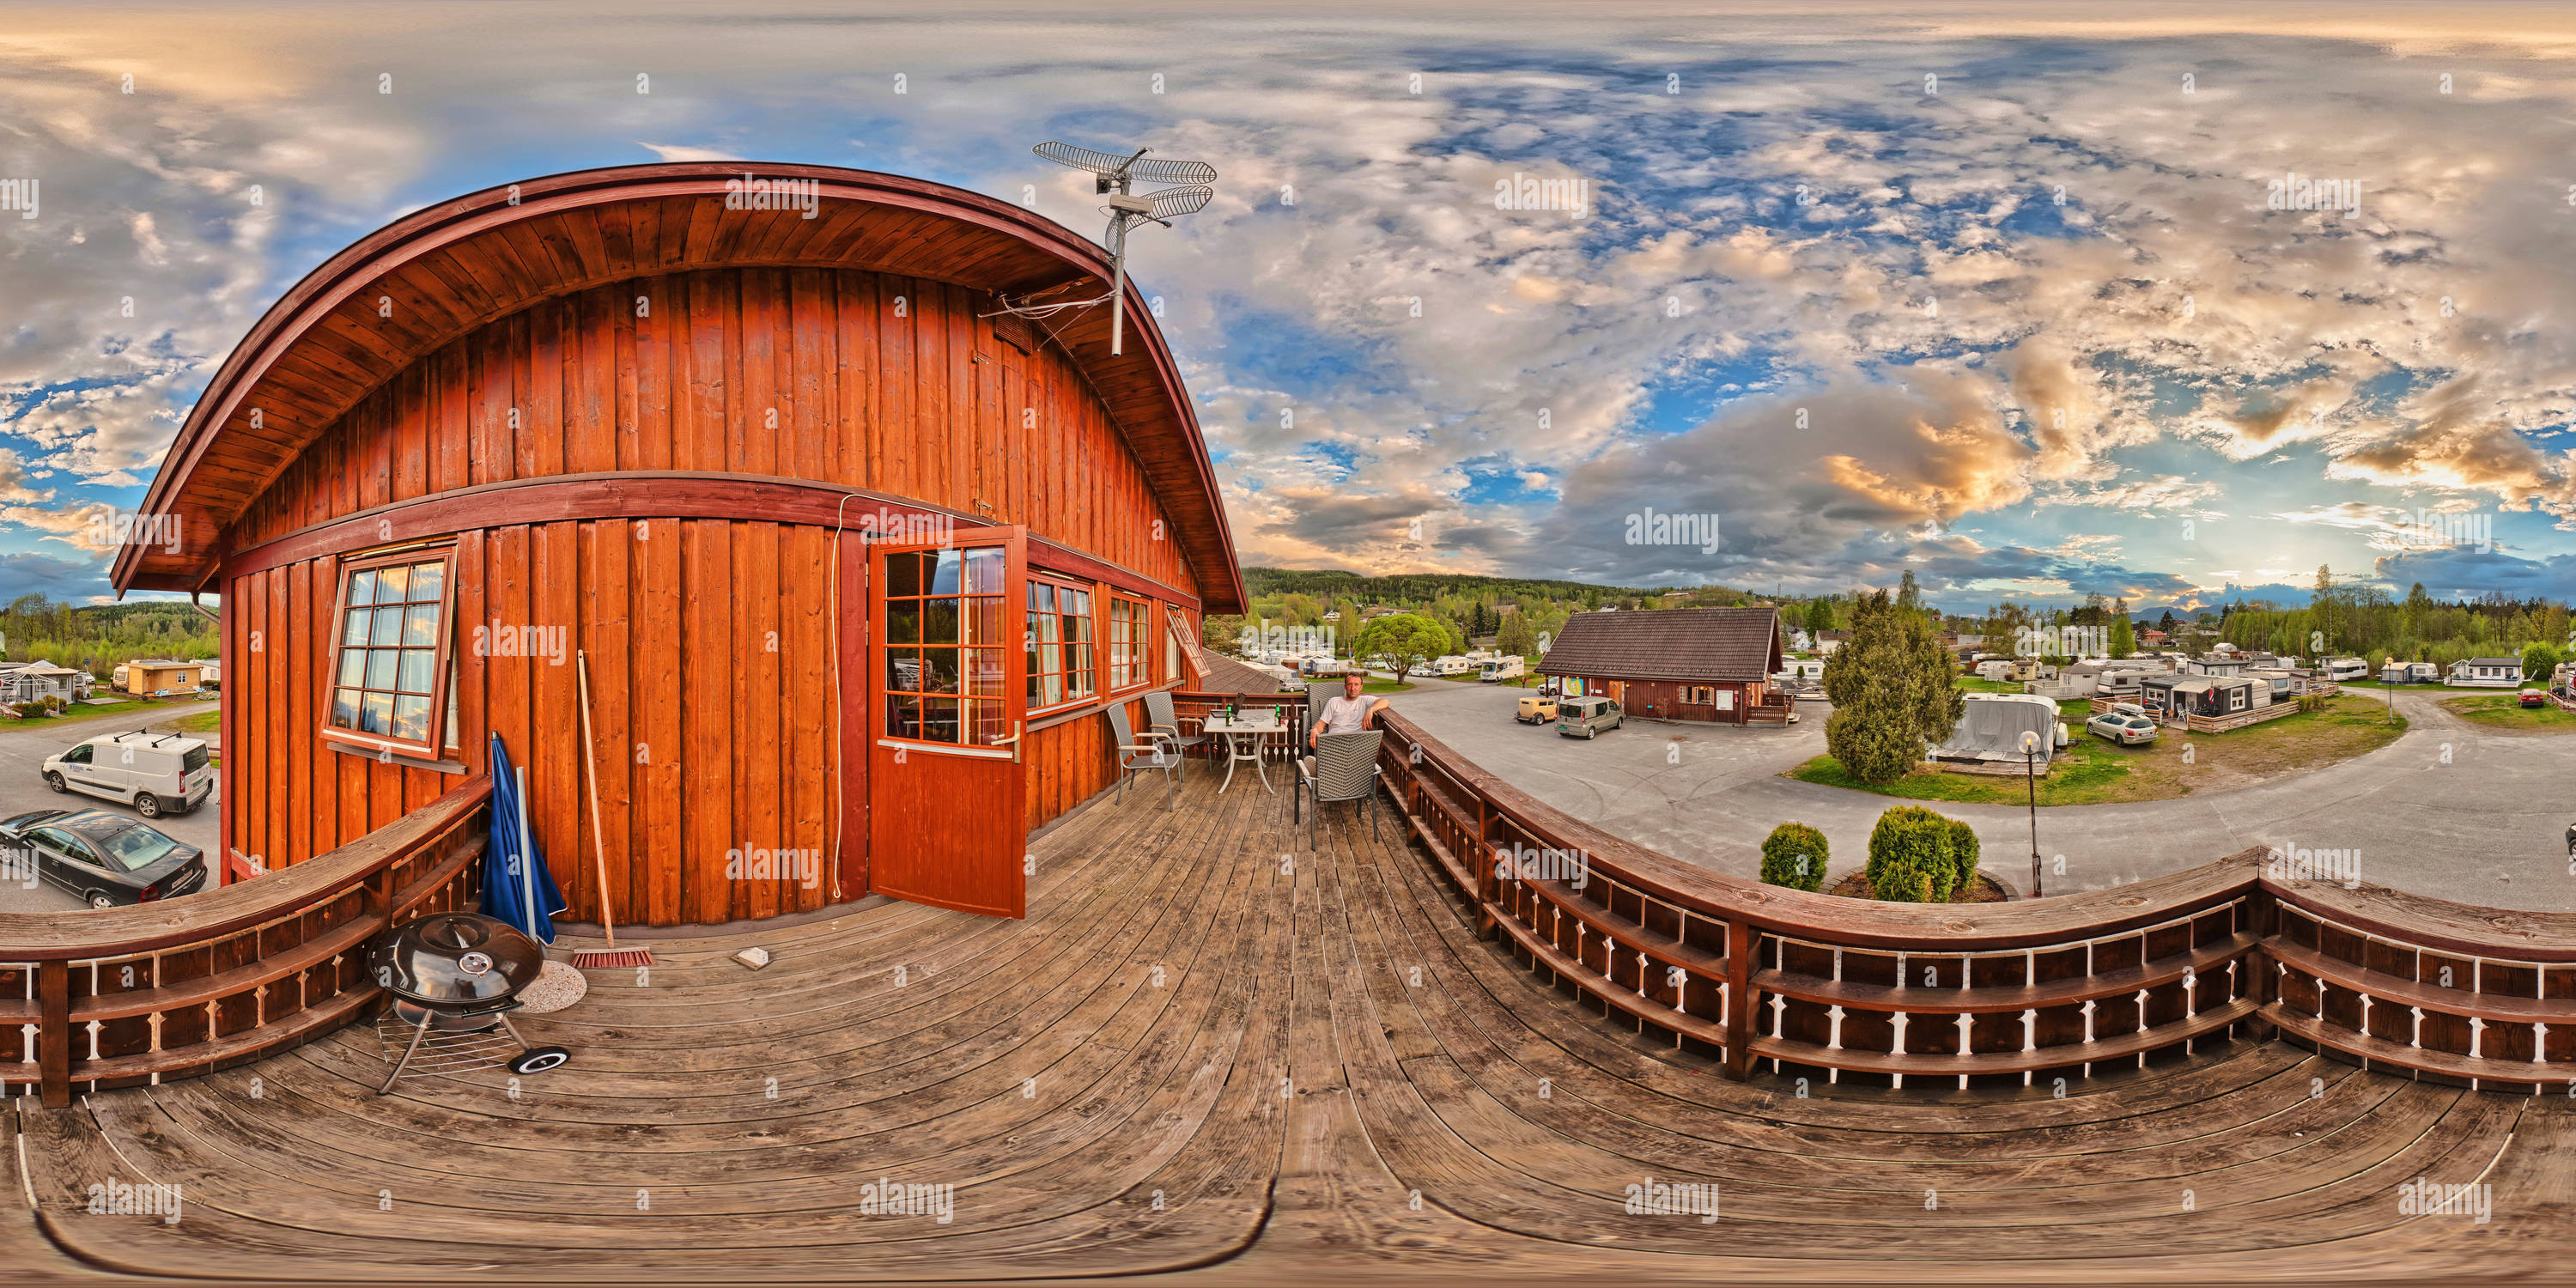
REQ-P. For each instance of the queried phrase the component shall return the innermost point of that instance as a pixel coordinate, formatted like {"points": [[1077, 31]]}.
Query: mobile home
{"points": [[2485, 673]]}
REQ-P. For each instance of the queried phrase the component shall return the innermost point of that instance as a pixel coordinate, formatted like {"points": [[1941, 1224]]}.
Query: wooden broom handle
{"points": [[590, 757]]}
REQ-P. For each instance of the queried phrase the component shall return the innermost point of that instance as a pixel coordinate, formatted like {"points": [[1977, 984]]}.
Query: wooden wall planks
{"points": [[709, 640], [856, 378]]}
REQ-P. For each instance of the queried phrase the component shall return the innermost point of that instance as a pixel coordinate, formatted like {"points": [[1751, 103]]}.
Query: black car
{"points": [[106, 859]]}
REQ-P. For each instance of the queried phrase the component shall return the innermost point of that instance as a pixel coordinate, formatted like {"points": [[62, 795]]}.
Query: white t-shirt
{"points": [[1346, 714]]}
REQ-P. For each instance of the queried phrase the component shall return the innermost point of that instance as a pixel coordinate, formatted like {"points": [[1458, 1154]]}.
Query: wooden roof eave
{"points": [[419, 237]]}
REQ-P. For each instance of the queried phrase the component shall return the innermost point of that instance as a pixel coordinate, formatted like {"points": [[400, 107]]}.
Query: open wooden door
{"points": [[947, 702]]}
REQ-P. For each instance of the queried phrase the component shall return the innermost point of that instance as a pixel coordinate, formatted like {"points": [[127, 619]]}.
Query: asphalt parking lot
{"points": [[22, 788], [2449, 809]]}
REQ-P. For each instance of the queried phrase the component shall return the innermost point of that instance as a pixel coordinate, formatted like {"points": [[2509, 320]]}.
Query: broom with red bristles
{"points": [[590, 958]]}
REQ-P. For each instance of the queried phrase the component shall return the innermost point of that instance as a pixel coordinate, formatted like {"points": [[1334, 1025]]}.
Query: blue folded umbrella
{"points": [[504, 895]]}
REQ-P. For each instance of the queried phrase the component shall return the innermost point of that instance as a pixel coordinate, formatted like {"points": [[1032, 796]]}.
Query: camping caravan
{"points": [[1497, 670], [2001, 730], [2340, 669], [1450, 666]]}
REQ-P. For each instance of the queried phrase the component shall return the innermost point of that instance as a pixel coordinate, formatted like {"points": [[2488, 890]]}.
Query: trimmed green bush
{"points": [[1909, 856], [1794, 856], [1963, 856]]}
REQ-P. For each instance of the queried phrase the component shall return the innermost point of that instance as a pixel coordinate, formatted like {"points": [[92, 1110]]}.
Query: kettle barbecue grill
{"points": [[455, 977]]}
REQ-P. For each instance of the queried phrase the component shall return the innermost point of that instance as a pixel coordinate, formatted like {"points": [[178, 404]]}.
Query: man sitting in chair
{"points": [[1348, 713]]}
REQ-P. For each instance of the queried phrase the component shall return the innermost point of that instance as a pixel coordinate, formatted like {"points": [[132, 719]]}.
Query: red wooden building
{"points": [[1711, 664], [855, 557]]}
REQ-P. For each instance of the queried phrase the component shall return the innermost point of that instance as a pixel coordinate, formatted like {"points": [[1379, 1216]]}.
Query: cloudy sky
{"points": [[2035, 300]]}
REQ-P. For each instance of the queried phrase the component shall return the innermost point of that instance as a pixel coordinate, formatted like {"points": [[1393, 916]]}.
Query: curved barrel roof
{"points": [[462, 263]]}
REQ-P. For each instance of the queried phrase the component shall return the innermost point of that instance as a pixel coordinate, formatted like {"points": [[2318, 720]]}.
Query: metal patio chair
{"points": [[1137, 757], [1343, 768], [1162, 720]]}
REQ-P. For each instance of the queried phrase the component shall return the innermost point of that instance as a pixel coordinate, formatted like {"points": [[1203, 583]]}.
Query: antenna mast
{"points": [[1115, 177]]}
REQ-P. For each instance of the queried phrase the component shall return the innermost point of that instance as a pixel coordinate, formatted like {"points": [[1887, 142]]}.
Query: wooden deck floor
{"points": [[1213, 1053]]}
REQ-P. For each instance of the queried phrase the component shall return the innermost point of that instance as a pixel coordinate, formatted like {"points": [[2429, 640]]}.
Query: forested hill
{"points": [[1414, 587], [98, 636]]}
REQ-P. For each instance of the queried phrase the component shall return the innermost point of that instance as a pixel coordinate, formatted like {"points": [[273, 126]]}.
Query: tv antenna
{"points": [[1115, 177]]}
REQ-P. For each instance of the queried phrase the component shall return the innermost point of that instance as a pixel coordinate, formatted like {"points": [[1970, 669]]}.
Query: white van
{"points": [[155, 773]]}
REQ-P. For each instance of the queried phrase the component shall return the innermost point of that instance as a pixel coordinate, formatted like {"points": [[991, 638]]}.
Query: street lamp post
{"points": [[2030, 763]]}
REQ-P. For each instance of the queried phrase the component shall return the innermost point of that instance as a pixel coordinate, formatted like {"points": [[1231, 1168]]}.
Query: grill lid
{"points": [[452, 959]]}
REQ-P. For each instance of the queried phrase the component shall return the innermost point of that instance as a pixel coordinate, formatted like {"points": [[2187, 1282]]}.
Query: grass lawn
{"points": [[1375, 685], [78, 714], [2504, 711], [2094, 772], [202, 722]]}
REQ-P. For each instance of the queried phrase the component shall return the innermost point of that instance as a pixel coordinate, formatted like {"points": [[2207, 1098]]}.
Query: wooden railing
{"points": [[2000, 993], [2436, 989], [126, 996]]}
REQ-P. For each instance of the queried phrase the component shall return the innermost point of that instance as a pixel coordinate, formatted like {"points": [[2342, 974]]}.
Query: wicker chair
{"points": [[1137, 757], [1163, 721], [1343, 768]]}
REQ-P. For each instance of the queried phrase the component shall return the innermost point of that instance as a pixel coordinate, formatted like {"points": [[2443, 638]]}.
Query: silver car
{"points": [[2125, 728]]}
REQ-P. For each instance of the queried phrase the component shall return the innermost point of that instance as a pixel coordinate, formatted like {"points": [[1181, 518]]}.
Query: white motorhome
{"points": [[1497, 670], [1454, 664]]}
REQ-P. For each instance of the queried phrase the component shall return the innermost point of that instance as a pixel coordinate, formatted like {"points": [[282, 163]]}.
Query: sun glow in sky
{"points": [[2032, 302]]}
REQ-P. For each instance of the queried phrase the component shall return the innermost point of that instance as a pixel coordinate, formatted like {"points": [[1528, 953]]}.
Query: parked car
{"points": [[106, 859], [155, 773], [2126, 729], [1536, 708], [2534, 698], [1587, 717]]}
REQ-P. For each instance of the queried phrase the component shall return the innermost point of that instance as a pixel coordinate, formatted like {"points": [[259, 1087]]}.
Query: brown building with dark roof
{"points": [[1711, 664]]}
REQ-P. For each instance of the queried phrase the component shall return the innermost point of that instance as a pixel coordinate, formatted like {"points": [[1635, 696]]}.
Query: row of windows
{"points": [[945, 639]]}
